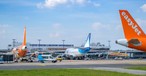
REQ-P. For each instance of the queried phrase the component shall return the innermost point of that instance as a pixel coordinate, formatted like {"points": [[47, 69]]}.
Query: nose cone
{"points": [[123, 42]]}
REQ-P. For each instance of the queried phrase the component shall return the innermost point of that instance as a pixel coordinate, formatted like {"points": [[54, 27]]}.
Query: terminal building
{"points": [[50, 47]]}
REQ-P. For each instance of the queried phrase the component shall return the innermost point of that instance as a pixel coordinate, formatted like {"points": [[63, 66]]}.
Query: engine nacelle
{"points": [[123, 42], [24, 48]]}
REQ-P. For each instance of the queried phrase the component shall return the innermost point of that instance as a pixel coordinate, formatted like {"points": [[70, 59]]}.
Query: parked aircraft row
{"points": [[134, 38]]}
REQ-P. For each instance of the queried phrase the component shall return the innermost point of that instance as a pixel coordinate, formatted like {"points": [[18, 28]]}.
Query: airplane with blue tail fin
{"points": [[78, 52]]}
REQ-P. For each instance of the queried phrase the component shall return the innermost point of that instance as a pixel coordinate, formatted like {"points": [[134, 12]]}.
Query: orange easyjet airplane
{"points": [[134, 35], [21, 50]]}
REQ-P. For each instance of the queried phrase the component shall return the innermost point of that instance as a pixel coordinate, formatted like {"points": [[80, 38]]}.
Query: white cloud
{"points": [[141, 23], [51, 3], [96, 26], [3, 28], [80, 1], [56, 30], [56, 26], [96, 4], [143, 7], [99, 26], [118, 27], [55, 3], [39, 5], [54, 35]]}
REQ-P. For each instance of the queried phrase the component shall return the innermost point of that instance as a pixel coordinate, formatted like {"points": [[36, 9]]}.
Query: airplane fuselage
{"points": [[142, 45], [76, 51], [73, 52]]}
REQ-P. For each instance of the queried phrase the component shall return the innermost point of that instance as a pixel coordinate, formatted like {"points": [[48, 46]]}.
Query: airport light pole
{"points": [[63, 43], [109, 44], [39, 42], [9, 45], [107, 57], [14, 40]]}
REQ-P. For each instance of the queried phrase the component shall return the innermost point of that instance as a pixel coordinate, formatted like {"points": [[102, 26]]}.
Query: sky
{"points": [[71, 20]]}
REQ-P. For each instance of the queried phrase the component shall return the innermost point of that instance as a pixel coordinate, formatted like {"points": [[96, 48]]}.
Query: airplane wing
{"points": [[135, 42]]}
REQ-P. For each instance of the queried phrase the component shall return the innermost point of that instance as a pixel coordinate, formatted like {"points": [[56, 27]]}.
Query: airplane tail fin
{"points": [[87, 44], [24, 37], [130, 27]]}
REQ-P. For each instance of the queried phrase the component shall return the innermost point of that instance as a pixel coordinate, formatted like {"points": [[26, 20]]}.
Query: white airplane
{"points": [[78, 52]]}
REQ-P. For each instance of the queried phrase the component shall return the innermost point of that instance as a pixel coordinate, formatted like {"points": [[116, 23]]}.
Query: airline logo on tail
{"points": [[130, 23], [134, 35], [130, 27]]}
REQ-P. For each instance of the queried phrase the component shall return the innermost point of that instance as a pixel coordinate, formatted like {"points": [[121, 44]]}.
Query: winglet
{"points": [[130, 27], [24, 37], [87, 44]]}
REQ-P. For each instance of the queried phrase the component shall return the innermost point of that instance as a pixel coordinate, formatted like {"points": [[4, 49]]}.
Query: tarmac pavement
{"points": [[108, 65]]}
